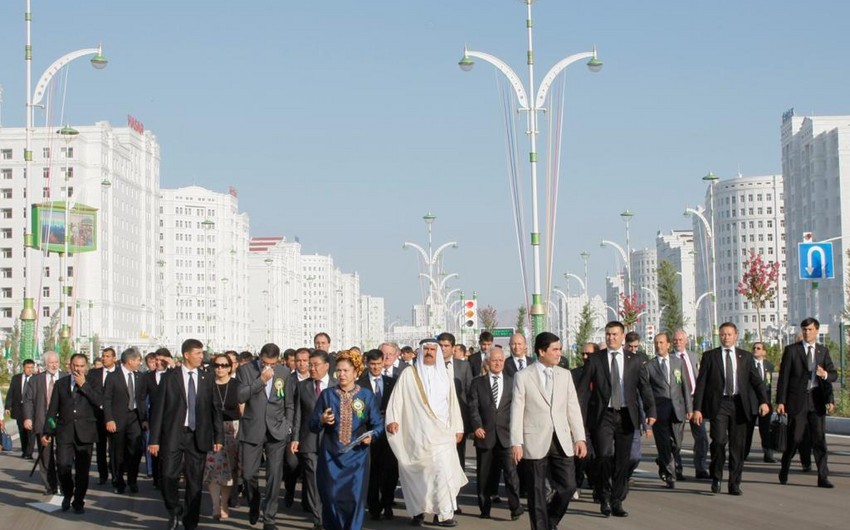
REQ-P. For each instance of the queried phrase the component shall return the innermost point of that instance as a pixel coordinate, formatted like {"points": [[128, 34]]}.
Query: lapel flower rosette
{"points": [[767, 377], [677, 374], [359, 408], [278, 387]]}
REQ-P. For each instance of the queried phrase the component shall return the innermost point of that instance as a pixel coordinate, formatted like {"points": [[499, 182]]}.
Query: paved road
{"points": [[800, 504]]}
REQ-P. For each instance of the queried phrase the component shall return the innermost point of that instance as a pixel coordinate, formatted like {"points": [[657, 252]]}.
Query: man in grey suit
{"points": [[36, 400], [690, 369], [264, 428], [547, 431], [305, 443], [673, 405]]}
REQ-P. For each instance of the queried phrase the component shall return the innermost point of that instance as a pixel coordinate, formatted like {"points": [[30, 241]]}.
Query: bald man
{"points": [[518, 358]]}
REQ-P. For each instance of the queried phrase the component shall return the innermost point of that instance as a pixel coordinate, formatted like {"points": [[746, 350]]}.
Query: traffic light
{"points": [[470, 313]]}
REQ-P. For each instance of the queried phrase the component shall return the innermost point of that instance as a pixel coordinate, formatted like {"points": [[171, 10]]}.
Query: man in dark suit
{"points": [[805, 368], [292, 467], [461, 373], [37, 397], [612, 380], [305, 443], [690, 369], [393, 365], [264, 428], [97, 379], [150, 382], [15, 405], [518, 359], [671, 390], [383, 466], [72, 422], [765, 370], [185, 427], [490, 419], [478, 359], [723, 398], [125, 415]]}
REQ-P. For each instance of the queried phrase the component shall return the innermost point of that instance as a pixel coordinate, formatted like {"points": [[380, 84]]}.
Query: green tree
{"points": [[585, 326], [521, 318], [668, 298]]}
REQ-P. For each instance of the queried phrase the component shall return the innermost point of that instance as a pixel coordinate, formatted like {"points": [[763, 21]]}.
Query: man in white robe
{"points": [[424, 426]]}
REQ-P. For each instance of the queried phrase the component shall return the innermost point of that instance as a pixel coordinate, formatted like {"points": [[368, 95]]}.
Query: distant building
{"points": [[677, 248]]}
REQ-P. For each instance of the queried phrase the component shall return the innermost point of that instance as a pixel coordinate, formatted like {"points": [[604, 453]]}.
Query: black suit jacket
{"points": [[169, 416], [711, 382], [96, 380], [116, 401], [511, 367], [463, 380], [475, 361], [794, 376], [483, 413], [303, 404], [365, 381], [73, 414], [594, 387], [15, 397]]}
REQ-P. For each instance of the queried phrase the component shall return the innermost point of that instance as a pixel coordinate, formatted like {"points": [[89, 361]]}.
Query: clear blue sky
{"points": [[343, 122]]}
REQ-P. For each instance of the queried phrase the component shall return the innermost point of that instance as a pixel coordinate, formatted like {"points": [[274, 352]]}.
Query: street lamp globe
{"points": [[594, 64], [99, 62], [711, 177], [465, 62]]}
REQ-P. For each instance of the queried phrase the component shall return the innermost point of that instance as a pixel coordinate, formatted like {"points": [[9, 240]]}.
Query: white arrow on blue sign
{"points": [[815, 261]]}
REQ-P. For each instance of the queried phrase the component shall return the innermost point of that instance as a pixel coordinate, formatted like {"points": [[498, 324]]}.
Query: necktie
{"points": [[686, 362], [190, 400], [495, 389], [49, 388], [616, 389], [318, 388], [664, 369], [521, 364], [549, 385], [812, 368], [378, 389], [761, 369], [24, 386], [388, 372], [131, 392], [729, 389]]}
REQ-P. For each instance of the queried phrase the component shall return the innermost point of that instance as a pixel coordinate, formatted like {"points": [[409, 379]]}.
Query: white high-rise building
{"points": [[677, 248], [275, 291], [203, 269], [113, 293], [815, 165], [372, 321], [348, 309], [749, 218], [644, 276], [320, 283]]}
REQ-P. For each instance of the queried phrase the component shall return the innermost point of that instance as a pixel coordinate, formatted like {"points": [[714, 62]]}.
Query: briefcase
{"points": [[778, 432], [6, 440]]}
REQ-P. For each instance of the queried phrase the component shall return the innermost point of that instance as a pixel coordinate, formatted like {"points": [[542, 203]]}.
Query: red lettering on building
{"points": [[135, 124]]}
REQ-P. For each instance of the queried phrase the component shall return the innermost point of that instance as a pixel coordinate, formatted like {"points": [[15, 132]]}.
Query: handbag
{"points": [[778, 432], [6, 440]]}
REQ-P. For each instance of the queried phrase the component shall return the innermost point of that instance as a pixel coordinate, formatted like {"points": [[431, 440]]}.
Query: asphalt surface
{"points": [[799, 504]]}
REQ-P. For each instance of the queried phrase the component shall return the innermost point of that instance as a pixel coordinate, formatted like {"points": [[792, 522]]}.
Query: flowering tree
{"points": [[630, 310], [759, 283]]}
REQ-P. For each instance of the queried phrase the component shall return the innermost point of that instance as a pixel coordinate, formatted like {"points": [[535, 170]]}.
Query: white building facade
{"points": [[815, 159], [748, 217], [203, 269], [113, 289], [275, 291], [677, 248], [372, 321]]}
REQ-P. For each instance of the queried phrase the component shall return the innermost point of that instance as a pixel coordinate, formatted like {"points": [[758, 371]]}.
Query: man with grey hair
{"points": [[37, 397], [125, 414], [392, 365], [690, 369]]}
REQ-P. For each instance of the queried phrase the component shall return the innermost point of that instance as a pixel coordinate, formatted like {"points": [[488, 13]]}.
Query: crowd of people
{"points": [[351, 426]]}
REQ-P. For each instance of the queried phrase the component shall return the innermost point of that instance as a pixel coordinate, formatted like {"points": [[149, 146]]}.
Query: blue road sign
{"points": [[815, 261]]}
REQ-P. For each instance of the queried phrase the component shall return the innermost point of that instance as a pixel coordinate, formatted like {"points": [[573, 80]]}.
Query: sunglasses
{"points": [[221, 365]]}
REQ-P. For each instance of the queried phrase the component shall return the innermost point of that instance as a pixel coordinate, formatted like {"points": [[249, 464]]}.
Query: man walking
{"points": [[37, 397], [690, 369], [15, 405], [125, 415], [97, 379]]}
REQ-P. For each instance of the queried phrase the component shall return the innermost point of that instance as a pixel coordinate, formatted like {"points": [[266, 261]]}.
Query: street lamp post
{"points": [[584, 257], [626, 263], [28, 313], [627, 217], [538, 309], [207, 225], [712, 179]]}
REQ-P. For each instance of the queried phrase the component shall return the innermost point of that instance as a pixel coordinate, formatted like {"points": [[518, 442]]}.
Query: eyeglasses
{"points": [[221, 365]]}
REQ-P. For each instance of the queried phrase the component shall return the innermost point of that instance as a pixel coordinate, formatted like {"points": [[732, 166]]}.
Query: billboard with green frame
{"points": [[48, 227]]}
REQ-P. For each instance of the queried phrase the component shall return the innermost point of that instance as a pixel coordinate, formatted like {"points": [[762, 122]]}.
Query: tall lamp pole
{"points": [[28, 313], [538, 309], [627, 217], [584, 257], [709, 232]]}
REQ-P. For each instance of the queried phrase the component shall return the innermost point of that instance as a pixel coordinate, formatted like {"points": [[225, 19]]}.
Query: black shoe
{"points": [[50, 491], [807, 468], [735, 490], [618, 511], [448, 523], [416, 520], [783, 476], [671, 484], [288, 501], [118, 490], [769, 459], [680, 476], [703, 475], [102, 481], [173, 522], [484, 515], [66, 504], [79, 510], [825, 483], [134, 488], [269, 526], [375, 516], [496, 499], [388, 514], [715, 486], [458, 511], [253, 516], [605, 508], [517, 514]]}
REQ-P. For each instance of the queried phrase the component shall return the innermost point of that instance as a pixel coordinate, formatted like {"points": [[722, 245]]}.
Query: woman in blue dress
{"points": [[343, 414]]}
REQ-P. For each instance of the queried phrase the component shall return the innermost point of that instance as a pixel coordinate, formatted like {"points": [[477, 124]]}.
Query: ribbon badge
{"points": [[359, 408], [678, 375], [278, 386]]}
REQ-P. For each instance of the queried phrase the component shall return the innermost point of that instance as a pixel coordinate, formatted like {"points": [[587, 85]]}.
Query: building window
{"points": [[6, 193], [6, 312], [45, 192], [6, 292], [6, 233], [6, 154], [6, 252], [47, 272], [68, 152], [6, 272], [7, 174], [45, 172], [45, 312], [45, 152], [45, 292]]}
